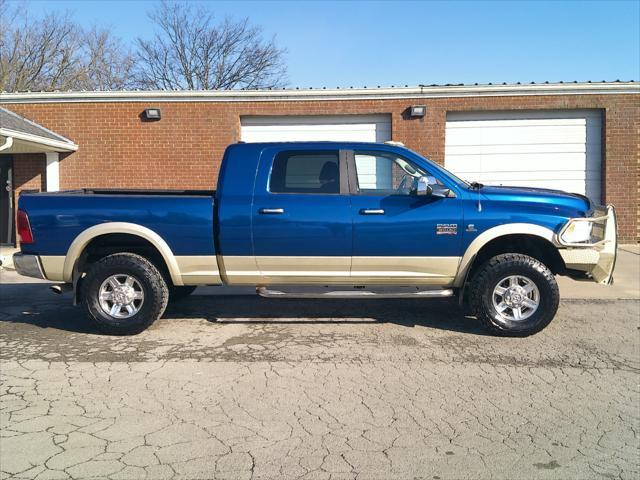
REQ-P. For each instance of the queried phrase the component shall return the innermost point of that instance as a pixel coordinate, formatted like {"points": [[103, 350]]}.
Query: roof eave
{"points": [[56, 145], [326, 94]]}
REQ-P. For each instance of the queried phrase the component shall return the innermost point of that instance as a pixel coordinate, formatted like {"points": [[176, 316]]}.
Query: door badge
{"points": [[447, 229]]}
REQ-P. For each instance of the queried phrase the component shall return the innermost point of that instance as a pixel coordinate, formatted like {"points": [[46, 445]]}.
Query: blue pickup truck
{"points": [[321, 220]]}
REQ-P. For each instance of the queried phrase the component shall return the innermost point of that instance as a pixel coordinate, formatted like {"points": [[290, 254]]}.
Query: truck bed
{"points": [[183, 218], [124, 191]]}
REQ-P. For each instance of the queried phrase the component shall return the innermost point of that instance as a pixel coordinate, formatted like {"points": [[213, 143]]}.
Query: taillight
{"points": [[25, 235]]}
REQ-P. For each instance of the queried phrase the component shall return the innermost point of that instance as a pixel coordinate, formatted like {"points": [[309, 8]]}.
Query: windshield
{"points": [[443, 170]]}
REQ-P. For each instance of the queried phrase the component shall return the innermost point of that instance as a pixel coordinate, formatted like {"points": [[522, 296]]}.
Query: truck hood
{"points": [[544, 196]]}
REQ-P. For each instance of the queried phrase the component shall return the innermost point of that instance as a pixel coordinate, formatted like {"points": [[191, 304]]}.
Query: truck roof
{"points": [[321, 142], [318, 144]]}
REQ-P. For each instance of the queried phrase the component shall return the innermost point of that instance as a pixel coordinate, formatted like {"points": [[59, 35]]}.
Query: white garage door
{"points": [[340, 128], [549, 149]]}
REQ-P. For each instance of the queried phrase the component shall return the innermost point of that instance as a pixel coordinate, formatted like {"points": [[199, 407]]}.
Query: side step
{"points": [[388, 292]]}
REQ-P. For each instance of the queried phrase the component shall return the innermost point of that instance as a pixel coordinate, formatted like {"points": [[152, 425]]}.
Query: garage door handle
{"points": [[271, 211], [372, 211]]}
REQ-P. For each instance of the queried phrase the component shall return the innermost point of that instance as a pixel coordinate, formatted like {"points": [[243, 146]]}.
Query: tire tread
{"points": [[159, 296], [505, 262]]}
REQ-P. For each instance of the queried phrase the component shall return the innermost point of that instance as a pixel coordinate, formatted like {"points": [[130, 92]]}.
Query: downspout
{"points": [[8, 143]]}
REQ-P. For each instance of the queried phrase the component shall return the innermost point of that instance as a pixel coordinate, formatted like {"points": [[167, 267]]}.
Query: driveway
{"points": [[236, 386]]}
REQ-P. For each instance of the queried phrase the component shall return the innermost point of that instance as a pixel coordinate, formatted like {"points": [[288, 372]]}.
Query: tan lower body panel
{"points": [[304, 270], [199, 270], [439, 271], [203, 270], [53, 266], [240, 270], [194, 270]]}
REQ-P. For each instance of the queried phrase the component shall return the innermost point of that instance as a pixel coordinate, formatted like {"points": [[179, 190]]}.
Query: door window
{"points": [[380, 173]]}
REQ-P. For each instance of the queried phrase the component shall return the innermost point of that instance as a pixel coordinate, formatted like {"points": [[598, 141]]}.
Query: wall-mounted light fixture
{"points": [[418, 110], [152, 114]]}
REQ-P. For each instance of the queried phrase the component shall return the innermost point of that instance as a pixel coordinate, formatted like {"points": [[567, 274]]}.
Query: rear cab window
{"points": [[314, 172]]}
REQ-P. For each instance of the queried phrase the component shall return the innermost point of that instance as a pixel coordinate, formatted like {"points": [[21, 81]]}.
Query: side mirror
{"points": [[428, 187], [424, 189]]}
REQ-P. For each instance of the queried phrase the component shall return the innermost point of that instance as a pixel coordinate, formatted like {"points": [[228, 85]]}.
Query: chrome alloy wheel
{"points": [[121, 296], [516, 298]]}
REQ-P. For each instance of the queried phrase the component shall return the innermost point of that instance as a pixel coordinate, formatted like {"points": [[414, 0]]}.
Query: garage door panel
{"points": [[549, 149], [340, 128], [309, 135], [579, 148], [519, 136], [526, 115], [318, 129], [519, 162], [539, 175], [574, 185]]}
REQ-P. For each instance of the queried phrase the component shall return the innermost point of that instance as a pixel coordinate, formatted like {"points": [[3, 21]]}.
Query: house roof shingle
{"points": [[12, 121]]}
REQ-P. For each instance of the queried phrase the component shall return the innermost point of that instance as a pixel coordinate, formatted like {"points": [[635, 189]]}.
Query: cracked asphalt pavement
{"points": [[242, 387]]}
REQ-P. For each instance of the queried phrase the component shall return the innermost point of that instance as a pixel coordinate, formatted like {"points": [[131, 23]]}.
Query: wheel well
{"points": [[531, 245], [108, 244]]}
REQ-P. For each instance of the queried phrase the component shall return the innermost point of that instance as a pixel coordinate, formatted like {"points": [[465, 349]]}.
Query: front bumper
{"points": [[597, 259], [28, 265]]}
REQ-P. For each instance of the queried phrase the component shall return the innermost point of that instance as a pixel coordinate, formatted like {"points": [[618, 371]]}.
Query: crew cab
{"points": [[319, 219]]}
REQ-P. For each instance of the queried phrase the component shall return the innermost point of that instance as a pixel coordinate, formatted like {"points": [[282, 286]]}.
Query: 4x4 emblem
{"points": [[447, 229]]}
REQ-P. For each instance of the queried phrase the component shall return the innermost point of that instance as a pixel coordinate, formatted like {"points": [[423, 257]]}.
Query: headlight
{"points": [[577, 232]]}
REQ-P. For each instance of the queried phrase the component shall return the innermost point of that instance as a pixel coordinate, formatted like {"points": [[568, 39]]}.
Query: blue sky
{"points": [[361, 43]]}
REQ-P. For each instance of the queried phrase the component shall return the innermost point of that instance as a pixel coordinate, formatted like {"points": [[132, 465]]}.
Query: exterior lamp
{"points": [[418, 110], [152, 114]]}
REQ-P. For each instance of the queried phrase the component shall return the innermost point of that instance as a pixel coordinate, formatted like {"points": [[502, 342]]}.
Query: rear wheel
{"points": [[514, 295], [124, 293]]}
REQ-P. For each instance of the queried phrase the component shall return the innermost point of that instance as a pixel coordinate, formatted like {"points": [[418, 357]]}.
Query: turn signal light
{"points": [[24, 228]]}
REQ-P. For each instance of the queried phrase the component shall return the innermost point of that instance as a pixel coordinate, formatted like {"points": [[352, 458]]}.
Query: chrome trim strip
{"points": [[272, 293]]}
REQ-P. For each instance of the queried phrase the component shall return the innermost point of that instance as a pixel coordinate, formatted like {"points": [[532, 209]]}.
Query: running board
{"points": [[382, 293]]}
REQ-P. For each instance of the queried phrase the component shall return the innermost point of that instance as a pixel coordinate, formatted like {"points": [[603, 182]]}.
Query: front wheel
{"points": [[124, 293], [514, 295]]}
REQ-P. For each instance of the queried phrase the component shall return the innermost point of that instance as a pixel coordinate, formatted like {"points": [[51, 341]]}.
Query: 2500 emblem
{"points": [[447, 229]]}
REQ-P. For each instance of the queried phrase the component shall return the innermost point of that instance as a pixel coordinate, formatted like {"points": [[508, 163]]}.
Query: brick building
{"points": [[580, 137]]}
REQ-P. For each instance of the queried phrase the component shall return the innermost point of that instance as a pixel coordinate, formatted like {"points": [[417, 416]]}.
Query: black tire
{"points": [[149, 280], [494, 272], [179, 292]]}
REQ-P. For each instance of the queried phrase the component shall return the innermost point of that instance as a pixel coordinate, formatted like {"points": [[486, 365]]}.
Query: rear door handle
{"points": [[271, 211], [372, 211]]}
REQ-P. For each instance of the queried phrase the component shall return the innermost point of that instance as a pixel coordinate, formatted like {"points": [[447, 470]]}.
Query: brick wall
{"points": [[28, 172], [184, 149]]}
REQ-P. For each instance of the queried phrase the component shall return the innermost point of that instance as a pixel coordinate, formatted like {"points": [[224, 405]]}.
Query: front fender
{"points": [[493, 233]]}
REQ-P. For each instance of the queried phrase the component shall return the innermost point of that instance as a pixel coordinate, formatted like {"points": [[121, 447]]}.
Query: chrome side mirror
{"points": [[424, 189]]}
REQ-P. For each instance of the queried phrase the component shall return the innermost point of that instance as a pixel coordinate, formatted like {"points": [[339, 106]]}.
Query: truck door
{"points": [[301, 225], [400, 238]]}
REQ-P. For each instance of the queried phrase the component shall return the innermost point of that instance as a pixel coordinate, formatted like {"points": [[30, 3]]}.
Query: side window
{"points": [[305, 172], [387, 174]]}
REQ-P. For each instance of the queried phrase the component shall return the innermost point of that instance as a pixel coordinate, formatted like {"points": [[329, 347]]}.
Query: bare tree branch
{"points": [[55, 53], [190, 51]]}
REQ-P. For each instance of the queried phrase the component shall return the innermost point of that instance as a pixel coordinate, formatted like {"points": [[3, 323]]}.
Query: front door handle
{"points": [[372, 211], [271, 211]]}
